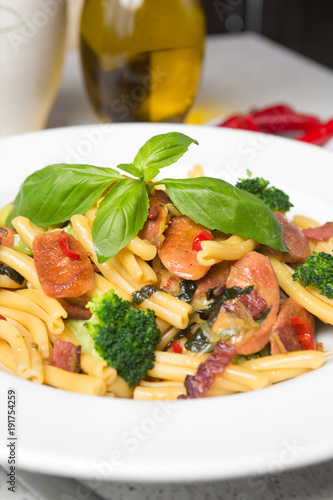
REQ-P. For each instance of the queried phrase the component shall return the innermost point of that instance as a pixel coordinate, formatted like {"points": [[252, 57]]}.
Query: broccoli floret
{"points": [[276, 199], [317, 271], [125, 337]]}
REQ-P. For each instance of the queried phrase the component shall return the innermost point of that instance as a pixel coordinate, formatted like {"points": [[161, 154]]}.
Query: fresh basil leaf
{"points": [[130, 168], [55, 193], [217, 204], [120, 216], [161, 151]]}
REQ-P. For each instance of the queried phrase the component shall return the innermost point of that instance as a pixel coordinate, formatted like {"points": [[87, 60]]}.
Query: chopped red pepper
{"points": [[305, 335], [280, 109], [64, 246], [177, 347], [318, 135], [235, 121], [279, 123], [250, 123], [202, 236], [2, 317]]}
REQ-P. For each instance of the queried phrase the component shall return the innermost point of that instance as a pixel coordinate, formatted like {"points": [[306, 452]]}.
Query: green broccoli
{"points": [[275, 199], [125, 337], [317, 271]]}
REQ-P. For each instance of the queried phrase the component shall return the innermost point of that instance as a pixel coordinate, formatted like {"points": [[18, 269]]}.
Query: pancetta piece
{"points": [[66, 356], [197, 385], [284, 335], [59, 275], [177, 253], [236, 315], [320, 233], [77, 312], [158, 218]]}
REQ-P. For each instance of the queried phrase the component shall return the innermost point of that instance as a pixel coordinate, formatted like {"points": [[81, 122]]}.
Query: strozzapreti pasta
{"points": [[229, 315]]}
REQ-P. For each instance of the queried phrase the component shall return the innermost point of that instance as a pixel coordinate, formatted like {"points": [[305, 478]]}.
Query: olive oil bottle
{"points": [[142, 58]]}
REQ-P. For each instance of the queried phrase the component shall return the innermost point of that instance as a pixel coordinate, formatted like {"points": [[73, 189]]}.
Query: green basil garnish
{"points": [[144, 293], [187, 290], [55, 193], [218, 205]]}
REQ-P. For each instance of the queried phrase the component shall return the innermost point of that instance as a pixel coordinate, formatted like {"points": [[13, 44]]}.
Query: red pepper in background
{"points": [[235, 121], [202, 236], [280, 119], [64, 246], [177, 347], [305, 335], [276, 124], [250, 123], [281, 109], [318, 135], [2, 317]]}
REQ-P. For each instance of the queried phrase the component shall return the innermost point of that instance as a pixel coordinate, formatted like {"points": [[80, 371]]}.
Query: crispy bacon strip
{"points": [[66, 356], [197, 385], [158, 218], [59, 275], [320, 233], [77, 312]]}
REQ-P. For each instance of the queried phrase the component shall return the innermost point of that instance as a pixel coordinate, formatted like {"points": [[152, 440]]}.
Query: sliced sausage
{"points": [[284, 336], [177, 254], [320, 233], [295, 241], [249, 337], [7, 236], [214, 280], [59, 275]]}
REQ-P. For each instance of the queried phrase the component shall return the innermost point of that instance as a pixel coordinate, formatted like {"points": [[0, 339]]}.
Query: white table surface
{"points": [[240, 72]]}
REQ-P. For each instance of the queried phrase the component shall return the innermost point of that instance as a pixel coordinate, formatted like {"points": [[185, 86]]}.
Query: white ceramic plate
{"points": [[285, 426]]}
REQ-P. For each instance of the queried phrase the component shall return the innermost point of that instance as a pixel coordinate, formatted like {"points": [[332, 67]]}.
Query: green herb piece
{"points": [[144, 293], [218, 205], [55, 193], [161, 151], [212, 311], [8, 271], [120, 216], [199, 342], [187, 290]]}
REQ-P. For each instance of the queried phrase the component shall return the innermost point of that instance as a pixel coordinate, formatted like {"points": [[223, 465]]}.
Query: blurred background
{"points": [[305, 26]]}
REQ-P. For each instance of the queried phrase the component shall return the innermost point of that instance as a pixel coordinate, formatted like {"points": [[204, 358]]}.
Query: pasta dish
{"points": [[119, 285]]}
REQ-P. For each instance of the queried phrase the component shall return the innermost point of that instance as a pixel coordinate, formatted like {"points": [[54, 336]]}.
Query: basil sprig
{"points": [[217, 204], [55, 193]]}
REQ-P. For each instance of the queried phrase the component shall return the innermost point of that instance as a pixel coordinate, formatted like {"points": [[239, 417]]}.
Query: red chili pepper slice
{"points": [[64, 246], [177, 347], [235, 121], [276, 124], [281, 109], [318, 135], [305, 335], [250, 123], [202, 236], [2, 317]]}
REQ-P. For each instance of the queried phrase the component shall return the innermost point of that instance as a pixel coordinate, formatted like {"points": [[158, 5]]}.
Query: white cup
{"points": [[32, 45]]}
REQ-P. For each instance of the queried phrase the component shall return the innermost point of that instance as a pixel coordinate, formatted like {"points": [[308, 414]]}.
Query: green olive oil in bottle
{"points": [[142, 58]]}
